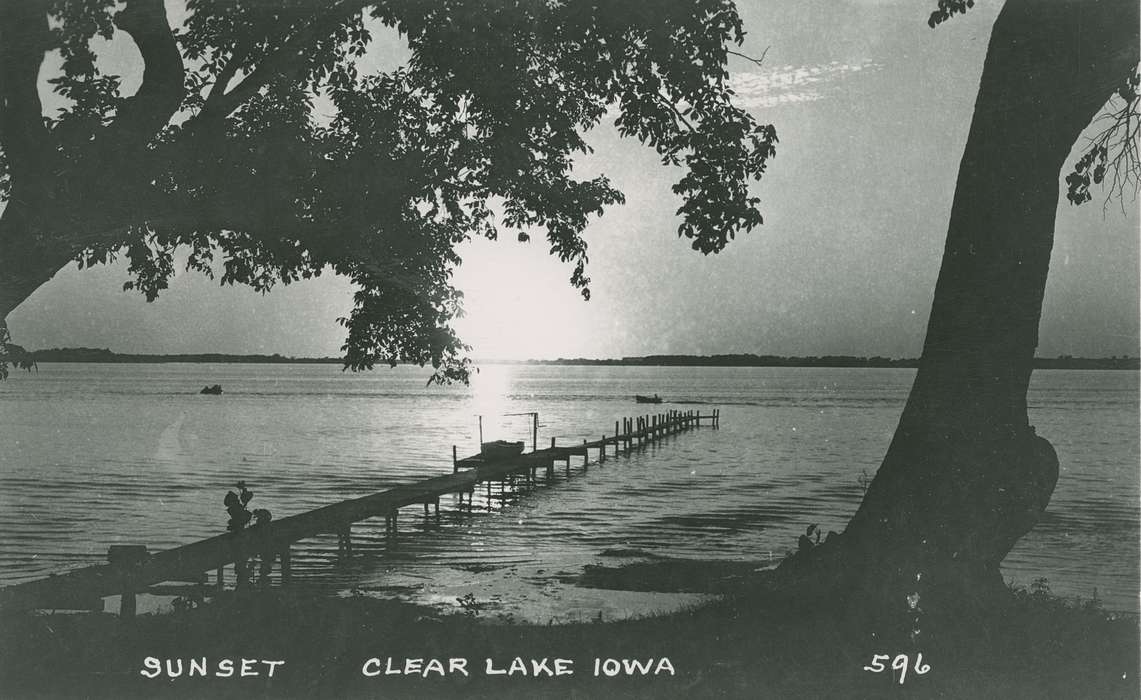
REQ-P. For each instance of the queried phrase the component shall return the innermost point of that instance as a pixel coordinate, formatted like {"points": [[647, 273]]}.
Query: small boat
{"points": [[216, 389], [500, 449], [647, 399]]}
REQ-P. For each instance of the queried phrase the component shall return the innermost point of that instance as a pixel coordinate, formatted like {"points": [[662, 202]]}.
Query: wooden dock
{"points": [[132, 570]]}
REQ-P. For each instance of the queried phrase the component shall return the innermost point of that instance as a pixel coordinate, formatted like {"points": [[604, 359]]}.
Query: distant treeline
{"points": [[749, 360], [738, 360], [105, 355]]}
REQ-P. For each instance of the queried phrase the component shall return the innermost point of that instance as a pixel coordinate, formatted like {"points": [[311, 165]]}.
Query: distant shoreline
{"points": [[103, 355]]}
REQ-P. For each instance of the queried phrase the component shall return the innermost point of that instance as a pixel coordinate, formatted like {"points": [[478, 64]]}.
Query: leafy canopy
{"points": [[220, 151]]}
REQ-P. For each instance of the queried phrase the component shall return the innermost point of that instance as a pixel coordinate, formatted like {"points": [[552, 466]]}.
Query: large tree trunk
{"points": [[28, 256], [965, 475]]}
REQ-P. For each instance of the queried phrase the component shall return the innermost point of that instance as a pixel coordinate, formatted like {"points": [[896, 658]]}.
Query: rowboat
{"points": [[500, 449]]}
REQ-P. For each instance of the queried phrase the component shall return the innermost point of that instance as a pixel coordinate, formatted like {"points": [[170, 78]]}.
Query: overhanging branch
{"points": [[148, 111]]}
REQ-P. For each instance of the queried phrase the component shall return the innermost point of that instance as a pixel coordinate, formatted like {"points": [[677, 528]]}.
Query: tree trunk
{"points": [[965, 475], [28, 256]]}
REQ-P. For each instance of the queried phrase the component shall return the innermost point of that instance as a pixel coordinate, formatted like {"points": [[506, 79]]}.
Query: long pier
{"points": [[132, 570]]}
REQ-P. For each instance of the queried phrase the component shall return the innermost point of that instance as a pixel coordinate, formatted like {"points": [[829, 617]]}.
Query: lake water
{"points": [[94, 455]]}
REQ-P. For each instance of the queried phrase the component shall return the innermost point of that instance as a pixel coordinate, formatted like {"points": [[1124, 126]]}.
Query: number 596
{"points": [[900, 663]]}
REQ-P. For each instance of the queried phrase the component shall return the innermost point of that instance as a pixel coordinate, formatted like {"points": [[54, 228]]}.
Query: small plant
{"points": [[469, 604], [1093, 603], [805, 541]]}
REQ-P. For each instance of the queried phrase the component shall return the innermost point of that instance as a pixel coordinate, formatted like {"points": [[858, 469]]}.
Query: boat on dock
{"points": [[500, 449], [638, 398]]}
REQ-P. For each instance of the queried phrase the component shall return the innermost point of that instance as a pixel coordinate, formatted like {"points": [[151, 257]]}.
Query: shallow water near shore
{"points": [[96, 455]]}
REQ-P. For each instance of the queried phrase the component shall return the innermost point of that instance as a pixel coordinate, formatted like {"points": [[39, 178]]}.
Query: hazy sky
{"points": [[872, 109]]}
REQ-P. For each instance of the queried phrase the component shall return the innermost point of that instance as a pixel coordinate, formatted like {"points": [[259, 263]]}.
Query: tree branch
{"points": [[759, 61], [222, 81], [289, 58], [24, 137], [142, 116]]}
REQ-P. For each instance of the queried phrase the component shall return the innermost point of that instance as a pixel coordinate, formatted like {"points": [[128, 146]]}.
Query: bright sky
{"points": [[872, 109]]}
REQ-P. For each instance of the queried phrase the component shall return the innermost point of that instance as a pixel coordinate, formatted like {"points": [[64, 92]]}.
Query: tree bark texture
{"points": [[966, 475]]}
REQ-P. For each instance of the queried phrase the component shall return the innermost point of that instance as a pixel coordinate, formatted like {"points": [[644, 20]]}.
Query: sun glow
{"points": [[491, 390], [518, 304]]}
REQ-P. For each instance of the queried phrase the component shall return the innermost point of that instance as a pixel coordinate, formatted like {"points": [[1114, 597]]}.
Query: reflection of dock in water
{"points": [[132, 570]]}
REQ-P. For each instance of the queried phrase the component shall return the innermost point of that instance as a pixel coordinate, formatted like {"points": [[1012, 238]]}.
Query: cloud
{"points": [[791, 84]]}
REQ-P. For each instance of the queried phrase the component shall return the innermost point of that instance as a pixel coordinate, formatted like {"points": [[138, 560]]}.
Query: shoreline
{"points": [[1037, 647], [105, 356]]}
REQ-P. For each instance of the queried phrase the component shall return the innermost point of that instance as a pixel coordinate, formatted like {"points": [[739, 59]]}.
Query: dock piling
{"points": [[286, 564]]}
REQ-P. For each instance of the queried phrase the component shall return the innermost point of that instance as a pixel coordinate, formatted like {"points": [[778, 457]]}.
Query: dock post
{"points": [[241, 572], [534, 431], [602, 450], [585, 455], [455, 460], [654, 428], [286, 564], [127, 558], [220, 581]]}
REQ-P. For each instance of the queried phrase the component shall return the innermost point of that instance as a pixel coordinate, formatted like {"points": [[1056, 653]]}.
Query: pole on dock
{"points": [[480, 432], [534, 431], [455, 460]]}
